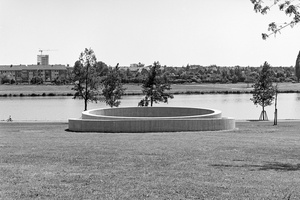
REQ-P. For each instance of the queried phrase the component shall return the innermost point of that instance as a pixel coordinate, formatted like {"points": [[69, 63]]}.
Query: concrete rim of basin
{"points": [[213, 113]]}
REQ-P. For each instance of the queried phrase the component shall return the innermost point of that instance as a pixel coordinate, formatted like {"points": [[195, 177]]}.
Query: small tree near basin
{"points": [[85, 77], [264, 91], [113, 87], [154, 87]]}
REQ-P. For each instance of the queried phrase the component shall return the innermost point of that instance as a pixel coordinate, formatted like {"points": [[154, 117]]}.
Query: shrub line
{"points": [[51, 94]]}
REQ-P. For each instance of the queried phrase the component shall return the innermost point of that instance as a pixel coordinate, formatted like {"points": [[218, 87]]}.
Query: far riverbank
{"points": [[135, 89]]}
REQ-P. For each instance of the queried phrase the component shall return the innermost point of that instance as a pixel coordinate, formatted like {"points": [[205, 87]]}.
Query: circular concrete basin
{"points": [[151, 119]]}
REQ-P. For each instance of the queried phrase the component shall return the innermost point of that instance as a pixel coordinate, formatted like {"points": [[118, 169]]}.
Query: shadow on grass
{"points": [[268, 166]]}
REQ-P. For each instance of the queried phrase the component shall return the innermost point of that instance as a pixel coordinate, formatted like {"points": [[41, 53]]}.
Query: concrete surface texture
{"points": [[151, 119]]}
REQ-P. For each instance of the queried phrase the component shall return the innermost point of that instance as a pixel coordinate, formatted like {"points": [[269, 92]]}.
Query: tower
{"points": [[43, 59]]}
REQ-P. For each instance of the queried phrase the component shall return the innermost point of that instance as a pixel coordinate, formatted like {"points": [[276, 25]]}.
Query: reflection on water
{"points": [[238, 106]]}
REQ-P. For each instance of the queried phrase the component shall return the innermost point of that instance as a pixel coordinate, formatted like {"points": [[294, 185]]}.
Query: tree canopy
{"points": [[85, 77], [289, 7], [113, 87], [154, 87]]}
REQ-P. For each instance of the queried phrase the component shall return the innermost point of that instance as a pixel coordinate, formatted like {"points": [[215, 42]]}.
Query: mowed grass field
{"points": [[255, 161], [136, 88]]}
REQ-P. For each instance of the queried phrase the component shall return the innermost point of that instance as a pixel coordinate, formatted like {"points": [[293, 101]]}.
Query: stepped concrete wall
{"points": [[151, 119]]}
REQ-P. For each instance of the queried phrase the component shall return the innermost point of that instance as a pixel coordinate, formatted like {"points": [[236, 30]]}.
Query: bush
{"points": [[36, 80], [51, 94]]}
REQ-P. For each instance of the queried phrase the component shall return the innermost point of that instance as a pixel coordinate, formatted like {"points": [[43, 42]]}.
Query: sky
{"points": [[173, 32]]}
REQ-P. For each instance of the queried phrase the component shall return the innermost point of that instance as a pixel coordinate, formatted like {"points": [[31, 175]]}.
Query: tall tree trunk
{"points": [[297, 67], [263, 113], [85, 104], [86, 87]]}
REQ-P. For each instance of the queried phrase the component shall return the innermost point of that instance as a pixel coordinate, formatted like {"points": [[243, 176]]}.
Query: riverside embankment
{"points": [[135, 89]]}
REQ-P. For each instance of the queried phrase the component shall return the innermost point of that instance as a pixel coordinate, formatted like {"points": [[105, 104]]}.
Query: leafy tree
{"points": [[113, 87], [85, 77], [297, 67], [12, 81], [235, 79], [36, 80], [264, 91], [154, 87], [101, 68], [60, 80], [251, 77], [290, 8], [5, 79]]}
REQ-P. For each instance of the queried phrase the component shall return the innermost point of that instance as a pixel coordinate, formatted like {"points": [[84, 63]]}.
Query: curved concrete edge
{"points": [[164, 125], [138, 113]]}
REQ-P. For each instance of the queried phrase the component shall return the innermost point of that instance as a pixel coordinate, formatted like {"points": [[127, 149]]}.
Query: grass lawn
{"points": [[136, 89], [256, 161]]}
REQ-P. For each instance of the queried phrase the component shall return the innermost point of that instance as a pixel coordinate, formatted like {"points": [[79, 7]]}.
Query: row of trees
{"points": [[210, 74], [187, 74], [94, 81]]}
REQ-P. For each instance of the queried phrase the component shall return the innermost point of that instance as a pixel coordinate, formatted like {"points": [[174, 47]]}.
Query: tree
{"points": [[85, 77], [264, 91], [297, 67], [5, 79], [154, 87], [291, 8], [101, 68], [113, 87], [275, 112], [36, 80], [251, 77]]}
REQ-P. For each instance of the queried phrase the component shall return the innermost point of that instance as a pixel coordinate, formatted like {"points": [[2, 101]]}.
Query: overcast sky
{"points": [[173, 32]]}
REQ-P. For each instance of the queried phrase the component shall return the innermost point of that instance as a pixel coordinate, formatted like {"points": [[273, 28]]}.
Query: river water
{"points": [[237, 106]]}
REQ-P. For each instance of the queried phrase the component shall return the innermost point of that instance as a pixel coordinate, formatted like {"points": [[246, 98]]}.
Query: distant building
{"points": [[42, 59], [24, 74]]}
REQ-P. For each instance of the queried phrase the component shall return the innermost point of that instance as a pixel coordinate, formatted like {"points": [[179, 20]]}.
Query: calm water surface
{"points": [[237, 106]]}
